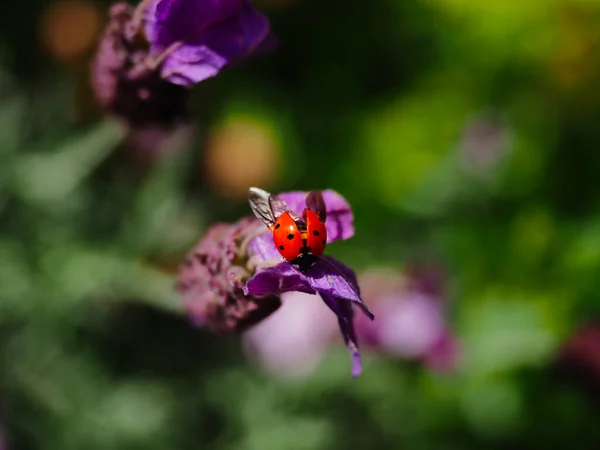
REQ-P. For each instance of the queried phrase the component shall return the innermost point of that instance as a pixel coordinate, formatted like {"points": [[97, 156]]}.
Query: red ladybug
{"points": [[299, 240]]}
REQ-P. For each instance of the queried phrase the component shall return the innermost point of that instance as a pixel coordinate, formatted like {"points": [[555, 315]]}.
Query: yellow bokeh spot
{"points": [[69, 28], [241, 152]]}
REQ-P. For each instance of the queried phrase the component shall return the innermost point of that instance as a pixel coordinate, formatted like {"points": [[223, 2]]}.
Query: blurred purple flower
{"points": [[148, 55], [124, 82], [197, 38], [292, 341], [332, 280], [411, 321]]}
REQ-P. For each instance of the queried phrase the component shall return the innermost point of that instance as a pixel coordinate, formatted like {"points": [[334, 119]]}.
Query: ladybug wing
{"points": [[265, 207], [278, 206], [315, 202]]}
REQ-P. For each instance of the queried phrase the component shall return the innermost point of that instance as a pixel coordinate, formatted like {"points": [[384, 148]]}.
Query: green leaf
{"points": [[43, 178], [506, 334], [75, 275], [160, 218]]}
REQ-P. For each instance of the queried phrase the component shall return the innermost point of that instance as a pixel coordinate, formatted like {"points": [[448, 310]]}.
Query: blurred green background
{"points": [[465, 134]]}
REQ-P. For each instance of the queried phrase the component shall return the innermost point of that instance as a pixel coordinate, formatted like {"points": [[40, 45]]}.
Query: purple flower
{"points": [[332, 280], [200, 37], [412, 322], [124, 82], [149, 55]]}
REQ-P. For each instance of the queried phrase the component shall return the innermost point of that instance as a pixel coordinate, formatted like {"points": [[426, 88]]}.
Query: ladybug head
{"points": [[304, 261]]}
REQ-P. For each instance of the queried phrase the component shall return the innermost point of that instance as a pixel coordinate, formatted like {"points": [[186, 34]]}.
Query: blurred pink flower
{"points": [[579, 357], [292, 341], [411, 318]]}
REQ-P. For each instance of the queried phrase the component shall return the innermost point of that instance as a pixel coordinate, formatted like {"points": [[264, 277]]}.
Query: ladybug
{"points": [[300, 240]]}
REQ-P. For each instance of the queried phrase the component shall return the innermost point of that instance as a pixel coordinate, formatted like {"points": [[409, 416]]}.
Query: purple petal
{"points": [[242, 35], [264, 248], [344, 312], [203, 53], [296, 200], [190, 64], [331, 277], [339, 214], [346, 272], [268, 45], [151, 26], [181, 20], [276, 280], [328, 276], [339, 217]]}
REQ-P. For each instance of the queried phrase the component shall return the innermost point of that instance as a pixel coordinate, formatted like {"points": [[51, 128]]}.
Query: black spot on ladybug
{"points": [[290, 236], [281, 247], [324, 241], [277, 226], [315, 232]]}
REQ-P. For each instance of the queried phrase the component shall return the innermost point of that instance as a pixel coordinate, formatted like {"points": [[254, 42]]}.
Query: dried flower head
{"points": [[148, 55], [213, 277], [125, 83]]}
